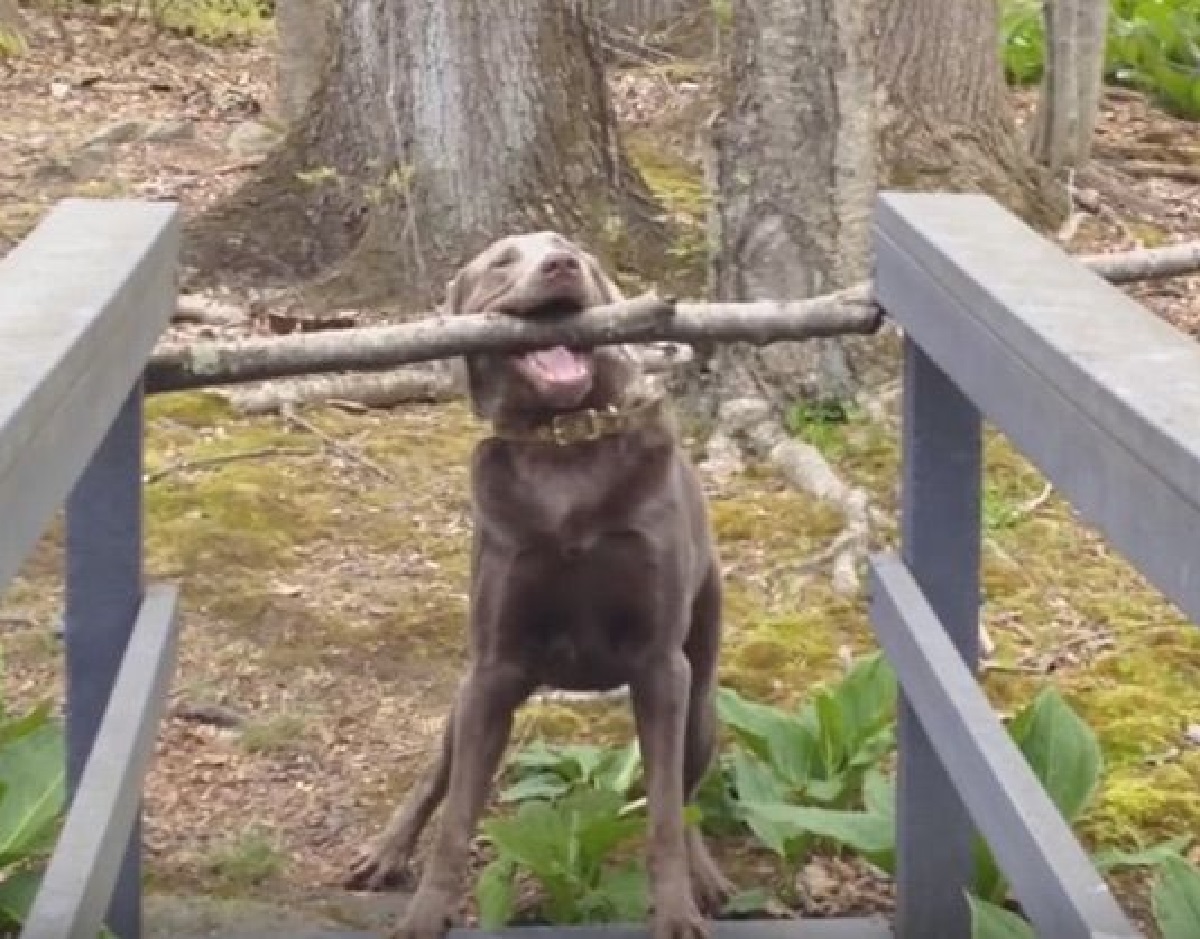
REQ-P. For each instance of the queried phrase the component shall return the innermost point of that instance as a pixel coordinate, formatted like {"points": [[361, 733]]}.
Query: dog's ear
{"points": [[472, 373], [605, 286]]}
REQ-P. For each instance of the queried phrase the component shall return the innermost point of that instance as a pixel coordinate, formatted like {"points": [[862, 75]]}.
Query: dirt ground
{"points": [[324, 565]]}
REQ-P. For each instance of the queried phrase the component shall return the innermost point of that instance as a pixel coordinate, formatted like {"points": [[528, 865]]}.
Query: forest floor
{"points": [[324, 573]]}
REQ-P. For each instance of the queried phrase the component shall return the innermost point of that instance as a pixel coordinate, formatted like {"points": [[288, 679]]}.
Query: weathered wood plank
{"points": [[1102, 395], [1057, 885], [75, 892], [82, 301]]}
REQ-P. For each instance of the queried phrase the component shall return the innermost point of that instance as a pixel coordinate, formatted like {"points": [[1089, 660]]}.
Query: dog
{"points": [[593, 567]]}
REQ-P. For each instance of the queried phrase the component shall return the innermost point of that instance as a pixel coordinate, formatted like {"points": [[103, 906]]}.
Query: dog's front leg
{"points": [[482, 723], [659, 693]]}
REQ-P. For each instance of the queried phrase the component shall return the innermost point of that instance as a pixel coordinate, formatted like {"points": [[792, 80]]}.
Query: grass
{"points": [[249, 860]]}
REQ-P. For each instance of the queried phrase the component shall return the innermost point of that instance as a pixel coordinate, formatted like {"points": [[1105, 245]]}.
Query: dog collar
{"points": [[586, 425]]}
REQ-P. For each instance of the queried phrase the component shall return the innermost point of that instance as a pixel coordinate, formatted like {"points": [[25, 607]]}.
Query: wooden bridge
{"points": [[999, 323]]}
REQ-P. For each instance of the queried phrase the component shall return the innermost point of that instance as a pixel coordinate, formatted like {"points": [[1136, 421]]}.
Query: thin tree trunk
{"points": [[442, 126], [1071, 83]]}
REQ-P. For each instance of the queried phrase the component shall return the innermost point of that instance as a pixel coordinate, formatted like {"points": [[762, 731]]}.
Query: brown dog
{"points": [[593, 567]]}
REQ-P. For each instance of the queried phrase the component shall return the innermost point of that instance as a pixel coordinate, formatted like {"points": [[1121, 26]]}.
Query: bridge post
{"points": [[104, 587], [940, 530]]}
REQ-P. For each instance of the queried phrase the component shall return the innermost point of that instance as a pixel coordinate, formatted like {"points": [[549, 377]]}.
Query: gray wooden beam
{"points": [[79, 880], [1057, 885], [1102, 395], [940, 519], [103, 597], [82, 301]]}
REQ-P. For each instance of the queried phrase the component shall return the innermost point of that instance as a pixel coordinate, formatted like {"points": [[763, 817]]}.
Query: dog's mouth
{"points": [[560, 376]]}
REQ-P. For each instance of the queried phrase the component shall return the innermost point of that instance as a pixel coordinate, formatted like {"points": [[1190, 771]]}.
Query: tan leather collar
{"points": [[586, 425]]}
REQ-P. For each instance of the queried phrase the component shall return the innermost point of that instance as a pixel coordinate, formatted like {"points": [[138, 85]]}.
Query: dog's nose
{"points": [[559, 264]]}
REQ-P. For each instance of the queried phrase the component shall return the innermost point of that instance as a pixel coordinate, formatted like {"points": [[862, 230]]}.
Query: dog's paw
{"points": [[378, 866], [711, 888], [680, 919], [427, 917]]}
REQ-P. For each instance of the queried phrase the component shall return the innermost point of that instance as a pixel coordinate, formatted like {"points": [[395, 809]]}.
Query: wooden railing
{"points": [[999, 324], [82, 302]]}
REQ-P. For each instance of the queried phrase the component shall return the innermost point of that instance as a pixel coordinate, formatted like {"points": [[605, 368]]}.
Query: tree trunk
{"points": [[1072, 83], [808, 126], [307, 31], [792, 173], [946, 123], [441, 127]]}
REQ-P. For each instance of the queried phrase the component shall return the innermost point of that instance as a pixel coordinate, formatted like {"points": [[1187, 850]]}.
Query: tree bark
{"points": [[792, 172], [441, 126], [1072, 82], [946, 123], [307, 31]]}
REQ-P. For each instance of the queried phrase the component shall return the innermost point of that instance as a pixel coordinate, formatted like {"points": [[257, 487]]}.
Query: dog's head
{"points": [[538, 275]]}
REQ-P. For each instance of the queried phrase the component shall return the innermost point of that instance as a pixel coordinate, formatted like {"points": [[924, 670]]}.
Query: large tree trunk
{"points": [[442, 126], [1072, 83], [947, 123], [809, 124]]}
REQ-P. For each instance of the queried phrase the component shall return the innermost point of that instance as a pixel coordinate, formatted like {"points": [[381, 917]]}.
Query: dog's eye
{"points": [[501, 261]]}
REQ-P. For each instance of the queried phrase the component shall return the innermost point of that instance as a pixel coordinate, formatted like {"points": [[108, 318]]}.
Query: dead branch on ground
{"points": [[409, 385]]}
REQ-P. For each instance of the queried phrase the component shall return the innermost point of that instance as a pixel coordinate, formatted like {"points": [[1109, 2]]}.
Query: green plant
{"points": [[821, 423], [1151, 44], [1175, 901], [543, 771], [1155, 45], [796, 774], [567, 846], [32, 795], [212, 21], [1022, 40]]}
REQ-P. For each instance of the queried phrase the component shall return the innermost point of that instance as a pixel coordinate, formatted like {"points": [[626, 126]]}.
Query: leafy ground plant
{"points": [[1151, 44], [803, 774], [1175, 901], [32, 767]]}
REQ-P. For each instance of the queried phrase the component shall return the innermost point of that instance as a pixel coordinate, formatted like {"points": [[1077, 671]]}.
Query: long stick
{"points": [[643, 319]]}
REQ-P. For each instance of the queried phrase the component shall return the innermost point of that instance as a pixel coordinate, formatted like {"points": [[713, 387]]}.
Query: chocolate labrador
{"points": [[592, 567]]}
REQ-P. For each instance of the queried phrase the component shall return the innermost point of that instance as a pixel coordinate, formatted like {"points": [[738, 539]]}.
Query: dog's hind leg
{"points": [[383, 863], [711, 888]]}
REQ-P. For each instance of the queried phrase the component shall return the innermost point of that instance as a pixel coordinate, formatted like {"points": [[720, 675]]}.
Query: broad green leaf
{"points": [[1061, 749], [15, 728], [860, 831], [752, 780], [32, 769], [17, 892], [989, 921], [827, 791], [989, 884], [866, 698], [595, 817], [834, 744], [1152, 856], [537, 838], [621, 769], [621, 896], [539, 786], [787, 742], [1175, 899], [494, 893]]}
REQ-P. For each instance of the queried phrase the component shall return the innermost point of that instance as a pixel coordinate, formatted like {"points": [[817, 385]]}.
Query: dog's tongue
{"points": [[559, 364]]}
